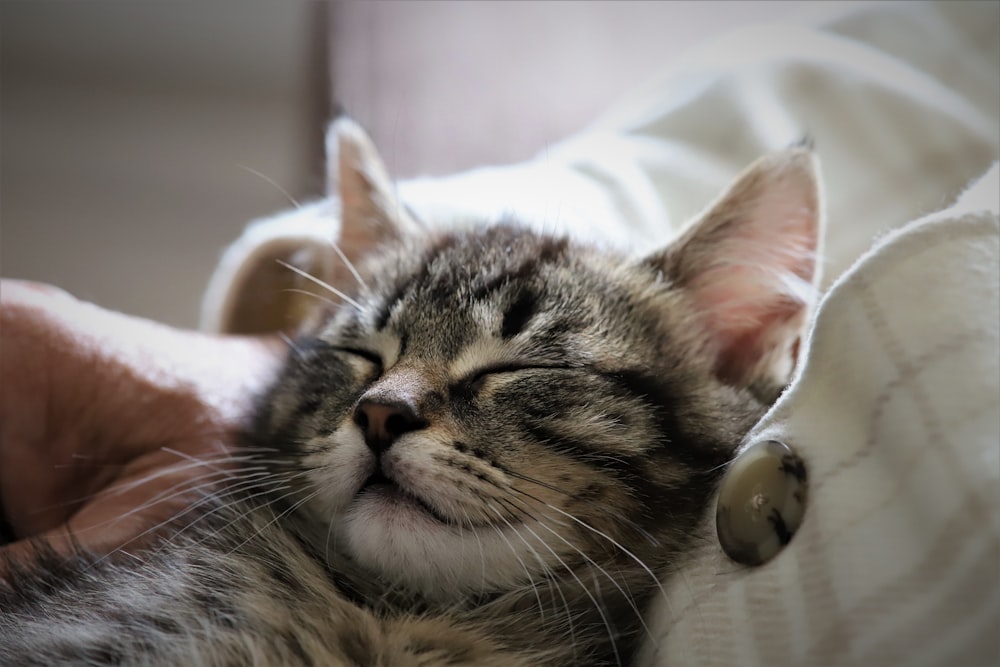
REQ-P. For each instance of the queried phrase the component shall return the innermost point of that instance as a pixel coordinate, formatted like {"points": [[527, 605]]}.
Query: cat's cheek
{"points": [[430, 466], [337, 468]]}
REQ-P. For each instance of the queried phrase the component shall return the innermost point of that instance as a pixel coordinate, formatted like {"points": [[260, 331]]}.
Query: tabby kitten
{"points": [[487, 455]]}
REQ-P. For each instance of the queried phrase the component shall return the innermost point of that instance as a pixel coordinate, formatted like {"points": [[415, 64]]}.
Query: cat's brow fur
{"points": [[572, 426]]}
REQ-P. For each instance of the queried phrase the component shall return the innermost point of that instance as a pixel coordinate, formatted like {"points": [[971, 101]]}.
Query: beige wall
{"points": [[122, 128], [444, 86]]}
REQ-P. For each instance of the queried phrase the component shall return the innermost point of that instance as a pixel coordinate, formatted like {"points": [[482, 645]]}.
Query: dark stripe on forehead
{"points": [[406, 282], [520, 312], [553, 249], [545, 250]]}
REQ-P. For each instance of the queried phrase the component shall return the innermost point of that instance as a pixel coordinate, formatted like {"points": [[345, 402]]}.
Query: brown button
{"points": [[761, 502]]}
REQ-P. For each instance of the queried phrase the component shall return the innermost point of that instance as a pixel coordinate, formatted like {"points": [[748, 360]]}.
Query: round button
{"points": [[761, 502]]}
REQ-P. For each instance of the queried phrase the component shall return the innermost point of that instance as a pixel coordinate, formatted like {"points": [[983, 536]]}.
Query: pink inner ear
{"points": [[755, 282], [745, 354]]}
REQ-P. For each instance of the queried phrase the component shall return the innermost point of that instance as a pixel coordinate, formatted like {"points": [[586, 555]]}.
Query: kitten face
{"points": [[501, 404], [498, 406]]}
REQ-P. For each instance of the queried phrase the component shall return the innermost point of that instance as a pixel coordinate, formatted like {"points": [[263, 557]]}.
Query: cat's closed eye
{"points": [[477, 379], [371, 357]]}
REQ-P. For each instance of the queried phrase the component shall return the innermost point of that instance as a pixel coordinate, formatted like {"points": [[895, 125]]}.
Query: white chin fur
{"points": [[408, 547]]}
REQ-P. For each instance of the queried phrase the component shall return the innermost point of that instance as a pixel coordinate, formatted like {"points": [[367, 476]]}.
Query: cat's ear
{"points": [[749, 265], [261, 285], [370, 208]]}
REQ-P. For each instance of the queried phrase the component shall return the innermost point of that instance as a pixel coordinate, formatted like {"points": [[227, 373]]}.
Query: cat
{"points": [[488, 453]]}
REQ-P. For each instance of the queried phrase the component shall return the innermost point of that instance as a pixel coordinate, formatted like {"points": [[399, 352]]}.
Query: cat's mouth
{"points": [[381, 488]]}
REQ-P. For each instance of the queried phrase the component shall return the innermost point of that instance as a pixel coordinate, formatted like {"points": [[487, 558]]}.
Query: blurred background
{"points": [[138, 139]]}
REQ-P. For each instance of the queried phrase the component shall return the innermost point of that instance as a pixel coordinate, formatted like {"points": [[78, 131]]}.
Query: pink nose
{"points": [[383, 422]]}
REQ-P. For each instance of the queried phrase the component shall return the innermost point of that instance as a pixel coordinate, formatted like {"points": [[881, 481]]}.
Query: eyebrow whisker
{"points": [[327, 286]]}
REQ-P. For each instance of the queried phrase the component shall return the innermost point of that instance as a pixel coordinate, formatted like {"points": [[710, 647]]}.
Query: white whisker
{"points": [[291, 344], [527, 572], [348, 264], [331, 288], [617, 544], [290, 509], [628, 597], [583, 587], [291, 200], [230, 490], [322, 298]]}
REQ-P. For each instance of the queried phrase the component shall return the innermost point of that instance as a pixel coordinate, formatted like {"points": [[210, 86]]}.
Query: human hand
{"points": [[110, 424]]}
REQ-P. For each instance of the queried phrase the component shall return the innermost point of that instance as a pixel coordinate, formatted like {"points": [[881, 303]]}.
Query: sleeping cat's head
{"points": [[496, 406]]}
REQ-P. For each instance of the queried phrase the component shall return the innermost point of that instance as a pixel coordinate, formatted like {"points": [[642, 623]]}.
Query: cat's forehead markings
{"points": [[339, 321], [485, 316]]}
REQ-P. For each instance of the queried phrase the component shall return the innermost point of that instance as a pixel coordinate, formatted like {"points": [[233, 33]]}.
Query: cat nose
{"points": [[383, 421]]}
